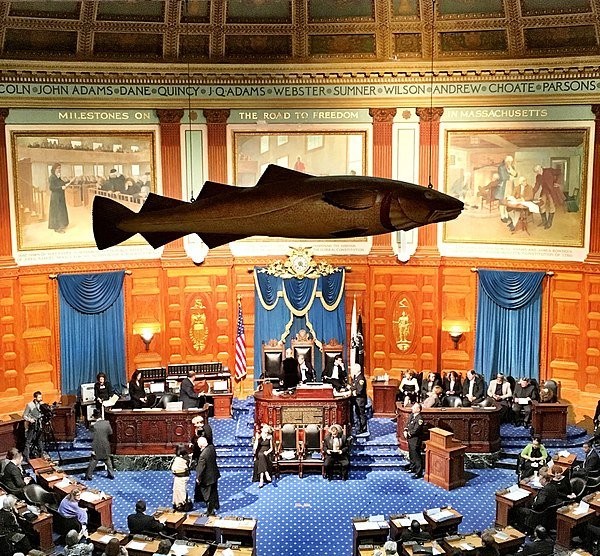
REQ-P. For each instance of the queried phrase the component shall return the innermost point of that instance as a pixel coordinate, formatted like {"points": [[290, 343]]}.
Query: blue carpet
{"points": [[311, 515]]}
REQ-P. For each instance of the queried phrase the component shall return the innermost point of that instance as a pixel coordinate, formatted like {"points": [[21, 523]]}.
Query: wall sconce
{"points": [[455, 335], [146, 335]]}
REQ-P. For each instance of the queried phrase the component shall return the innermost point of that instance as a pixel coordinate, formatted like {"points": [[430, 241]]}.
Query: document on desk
{"points": [[441, 515], [180, 549], [516, 493], [522, 401], [582, 508], [366, 525], [466, 546], [420, 517], [501, 536], [64, 482], [90, 497], [50, 478], [105, 539], [136, 545]]}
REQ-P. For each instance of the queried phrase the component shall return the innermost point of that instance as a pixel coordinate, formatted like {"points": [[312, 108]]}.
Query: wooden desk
{"points": [[467, 543], [220, 529], [41, 465], [593, 500], [531, 484], [222, 405], [384, 397], [407, 548], [549, 420], [447, 525], [100, 507], [12, 433], [306, 406], [41, 527], [512, 543], [566, 521], [565, 462], [444, 460], [399, 523], [504, 506], [368, 532], [63, 423], [369, 550], [48, 479], [241, 551], [147, 431], [141, 547], [478, 429], [171, 519], [100, 539]]}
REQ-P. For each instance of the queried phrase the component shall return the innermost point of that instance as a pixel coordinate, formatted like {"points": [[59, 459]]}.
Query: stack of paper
{"points": [[515, 492], [582, 508], [64, 482], [90, 497]]}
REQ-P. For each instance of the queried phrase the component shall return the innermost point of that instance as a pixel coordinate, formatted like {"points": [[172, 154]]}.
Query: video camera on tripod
{"points": [[47, 412]]}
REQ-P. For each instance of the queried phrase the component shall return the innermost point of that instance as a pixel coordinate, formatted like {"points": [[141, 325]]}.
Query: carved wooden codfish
{"points": [[284, 203]]}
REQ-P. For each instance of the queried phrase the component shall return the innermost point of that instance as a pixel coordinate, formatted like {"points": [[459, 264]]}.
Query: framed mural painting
{"points": [[56, 175], [520, 186], [319, 153]]}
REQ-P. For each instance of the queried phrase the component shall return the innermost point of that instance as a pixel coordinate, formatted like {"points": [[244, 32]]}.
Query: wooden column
{"points": [[6, 258], [429, 153], [594, 252], [216, 122], [170, 148], [383, 119]]}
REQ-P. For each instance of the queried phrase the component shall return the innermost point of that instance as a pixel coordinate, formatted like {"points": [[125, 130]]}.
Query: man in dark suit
{"points": [[101, 431], [335, 446], [291, 372], [473, 389], [336, 375], [525, 392], [546, 497], [413, 432], [359, 398], [414, 533], [307, 371], [591, 462], [139, 522], [13, 476], [207, 476], [187, 396], [540, 545]]}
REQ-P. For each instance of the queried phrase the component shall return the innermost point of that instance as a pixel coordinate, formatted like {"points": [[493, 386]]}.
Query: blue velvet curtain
{"points": [[285, 306], [508, 323], [92, 335]]}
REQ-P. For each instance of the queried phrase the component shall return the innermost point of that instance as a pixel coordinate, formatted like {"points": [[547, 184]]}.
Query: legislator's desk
{"points": [[170, 518], [150, 431], [307, 405], [384, 397], [593, 500], [508, 539], [221, 529], [41, 527], [467, 543], [567, 518], [101, 538], [239, 551], [365, 531], [477, 428], [141, 546], [99, 504], [40, 465], [566, 462], [507, 500], [549, 420], [408, 548]]}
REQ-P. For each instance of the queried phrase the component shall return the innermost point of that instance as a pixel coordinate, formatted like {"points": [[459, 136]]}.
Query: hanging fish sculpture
{"points": [[284, 203]]}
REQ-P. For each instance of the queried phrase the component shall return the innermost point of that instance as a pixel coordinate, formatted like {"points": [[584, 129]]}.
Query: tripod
{"points": [[48, 436]]}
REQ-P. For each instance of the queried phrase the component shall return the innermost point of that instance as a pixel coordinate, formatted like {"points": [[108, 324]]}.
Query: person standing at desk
{"points": [[207, 477], [307, 371], [189, 398], [102, 390], [414, 435], [34, 442], [291, 373], [358, 399], [137, 394], [101, 431]]}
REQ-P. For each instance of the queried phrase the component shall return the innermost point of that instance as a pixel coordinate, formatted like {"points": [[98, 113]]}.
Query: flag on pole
{"points": [[359, 344], [240, 346], [353, 326]]}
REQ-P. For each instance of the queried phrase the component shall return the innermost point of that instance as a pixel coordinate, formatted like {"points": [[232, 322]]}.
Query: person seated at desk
{"points": [[489, 546], [335, 446], [102, 390], [307, 371], [452, 385], [473, 389], [435, 398], [408, 391], [500, 391], [13, 477], [532, 457], [590, 465], [563, 484], [525, 393], [10, 527], [140, 523], [336, 375], [390, 548], [74, 546], [70, 509], [114, 548], [547, 496], [547, 395], [291, 373], [429, 384], [540, 545], [164, 547], [414, 533], [137, 394]]}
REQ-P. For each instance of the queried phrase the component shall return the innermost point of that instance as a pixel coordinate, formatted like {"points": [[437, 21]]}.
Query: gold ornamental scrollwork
{"points": [[300, 264], [198, 328], [404, 325]]}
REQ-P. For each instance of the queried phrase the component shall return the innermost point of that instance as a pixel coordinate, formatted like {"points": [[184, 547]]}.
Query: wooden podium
{"points": [[444, 460], [549, 420]]}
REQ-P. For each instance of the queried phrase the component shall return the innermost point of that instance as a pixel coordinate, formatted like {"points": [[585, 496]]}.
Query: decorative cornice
{"points": [[383, 115], [216, 116], [429, 114], [169, 116]]}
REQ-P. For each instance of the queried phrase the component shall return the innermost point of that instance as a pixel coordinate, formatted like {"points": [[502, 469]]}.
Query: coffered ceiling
{"points": [[300, 32]]}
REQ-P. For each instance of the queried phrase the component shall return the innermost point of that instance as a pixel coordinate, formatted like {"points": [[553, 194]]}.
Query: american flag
{"points": [[240, 347]]}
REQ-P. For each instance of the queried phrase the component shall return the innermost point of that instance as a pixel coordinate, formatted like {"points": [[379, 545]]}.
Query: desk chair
{"points": [[288, 450], [312, 453]]}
